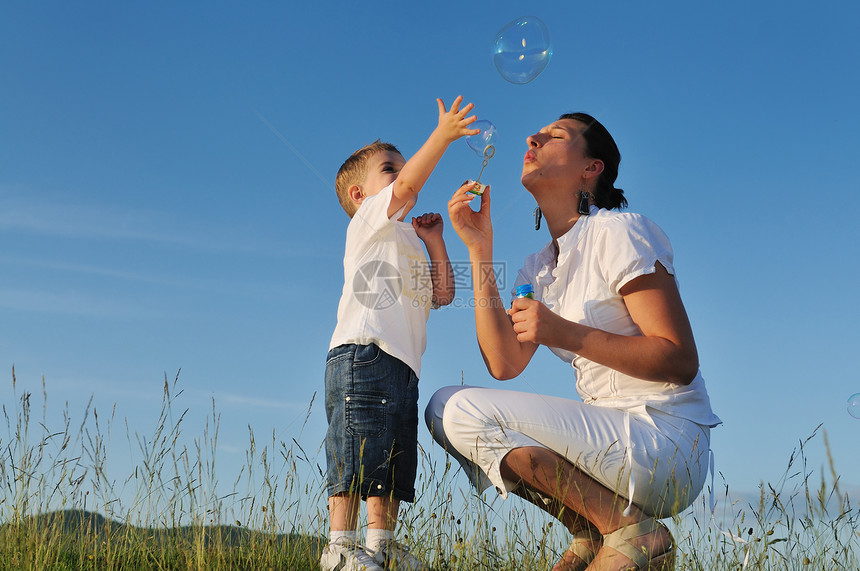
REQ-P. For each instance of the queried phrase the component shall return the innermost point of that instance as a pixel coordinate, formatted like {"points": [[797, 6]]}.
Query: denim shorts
{"points": [[371, 402]]}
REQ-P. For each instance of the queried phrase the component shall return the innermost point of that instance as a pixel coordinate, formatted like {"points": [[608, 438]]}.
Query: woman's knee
{"points": [[434, 413], [451, 413]]}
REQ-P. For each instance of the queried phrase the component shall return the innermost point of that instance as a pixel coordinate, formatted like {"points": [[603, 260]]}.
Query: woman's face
{"points": [[556, 155]]}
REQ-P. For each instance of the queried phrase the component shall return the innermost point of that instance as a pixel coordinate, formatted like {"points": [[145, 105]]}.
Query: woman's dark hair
{"points": [[600, 145]]}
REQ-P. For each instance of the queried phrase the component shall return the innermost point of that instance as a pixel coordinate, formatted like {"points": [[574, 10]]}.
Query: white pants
{"points": [[666, 456]]}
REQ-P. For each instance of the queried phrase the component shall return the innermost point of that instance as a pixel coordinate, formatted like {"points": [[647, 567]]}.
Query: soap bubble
{"points": [[522, 49], [854, 405], [486, 138]]}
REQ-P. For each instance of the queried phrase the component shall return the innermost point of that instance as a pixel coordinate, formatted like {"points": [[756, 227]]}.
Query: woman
{"points": [[606, 301]]}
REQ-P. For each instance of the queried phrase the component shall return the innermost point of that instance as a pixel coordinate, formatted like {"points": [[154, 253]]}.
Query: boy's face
{"points": [[382, 169]]}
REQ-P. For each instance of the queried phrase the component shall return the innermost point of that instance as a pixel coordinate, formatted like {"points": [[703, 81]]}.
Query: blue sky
{"points": [[166, 197]]}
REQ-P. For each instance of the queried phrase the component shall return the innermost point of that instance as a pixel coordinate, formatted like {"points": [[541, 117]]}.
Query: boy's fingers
{"points": [[441, 105], [455, 106]]}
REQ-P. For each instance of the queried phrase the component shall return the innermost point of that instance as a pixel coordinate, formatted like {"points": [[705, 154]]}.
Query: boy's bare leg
{"points": [[344, 549], [382, 512], [343, 511], [381, 521]]}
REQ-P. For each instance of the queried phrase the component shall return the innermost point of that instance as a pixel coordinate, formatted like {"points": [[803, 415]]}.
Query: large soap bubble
{"points": [[522, 49]]}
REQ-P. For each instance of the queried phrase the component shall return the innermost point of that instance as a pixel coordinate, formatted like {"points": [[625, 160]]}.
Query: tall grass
{"points": [[63, 507]]}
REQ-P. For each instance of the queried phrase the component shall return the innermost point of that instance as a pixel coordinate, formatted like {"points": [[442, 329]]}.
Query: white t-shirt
{"points": [[387, 290], [597, 257]]}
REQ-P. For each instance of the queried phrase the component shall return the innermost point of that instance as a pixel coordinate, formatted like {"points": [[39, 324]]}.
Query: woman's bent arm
{"points": [[504, 355], [665, 352]]}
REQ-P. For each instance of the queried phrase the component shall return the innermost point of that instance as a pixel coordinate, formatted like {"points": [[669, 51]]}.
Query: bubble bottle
{"points": [[525, 290]]}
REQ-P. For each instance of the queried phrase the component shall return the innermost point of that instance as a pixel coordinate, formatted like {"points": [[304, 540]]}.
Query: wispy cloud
{"points": [[232, 399], [151, 391], [209, 285], [72, 303], [52, 215]]}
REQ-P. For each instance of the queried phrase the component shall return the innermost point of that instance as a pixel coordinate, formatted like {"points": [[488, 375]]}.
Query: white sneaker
{"points": [[347, 557], [395, 556]]}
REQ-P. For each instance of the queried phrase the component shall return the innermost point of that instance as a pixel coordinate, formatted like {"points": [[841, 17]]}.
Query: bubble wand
{"points": [[483, 144]]}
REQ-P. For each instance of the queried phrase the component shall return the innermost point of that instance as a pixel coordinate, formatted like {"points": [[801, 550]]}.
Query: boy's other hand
{"points": [[428, 226], [454, 123]]}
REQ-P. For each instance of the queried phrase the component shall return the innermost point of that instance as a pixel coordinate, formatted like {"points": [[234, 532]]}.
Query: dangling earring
{"points": [[538, 215], [584, 197]]}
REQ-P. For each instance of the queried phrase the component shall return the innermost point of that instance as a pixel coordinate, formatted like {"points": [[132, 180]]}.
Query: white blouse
{"points": [[599, 255]]}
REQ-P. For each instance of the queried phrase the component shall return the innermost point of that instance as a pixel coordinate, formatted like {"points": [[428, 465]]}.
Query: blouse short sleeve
{"points": [[630, 245]]}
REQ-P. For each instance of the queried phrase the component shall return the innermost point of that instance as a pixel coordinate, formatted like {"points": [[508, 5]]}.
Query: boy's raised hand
{"points": [[454, 123]]}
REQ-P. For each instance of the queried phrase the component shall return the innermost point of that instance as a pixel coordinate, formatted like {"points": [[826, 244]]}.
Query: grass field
{"points": [[60, 509]]}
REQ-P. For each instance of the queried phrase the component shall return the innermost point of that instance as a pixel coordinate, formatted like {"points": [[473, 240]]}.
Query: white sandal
{"points": [[581, 548], [620, 541]]}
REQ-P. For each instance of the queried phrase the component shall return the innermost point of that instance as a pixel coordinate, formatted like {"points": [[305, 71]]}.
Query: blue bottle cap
{"points": [[523, 290]]}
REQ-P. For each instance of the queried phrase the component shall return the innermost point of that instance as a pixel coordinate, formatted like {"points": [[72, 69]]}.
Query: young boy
{"points": [[374, 358]]}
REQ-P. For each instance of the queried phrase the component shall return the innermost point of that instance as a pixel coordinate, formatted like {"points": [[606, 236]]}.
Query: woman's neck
{"points": [[560, 211], [560, 225], [560, 214]]}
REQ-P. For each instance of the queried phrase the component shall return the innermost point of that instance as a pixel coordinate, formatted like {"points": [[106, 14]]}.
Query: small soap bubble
{"points": [[522, 49], [486, 138], [854, 405]]}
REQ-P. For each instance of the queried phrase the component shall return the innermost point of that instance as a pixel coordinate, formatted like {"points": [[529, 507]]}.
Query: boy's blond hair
{"points": [[354, 171]]}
